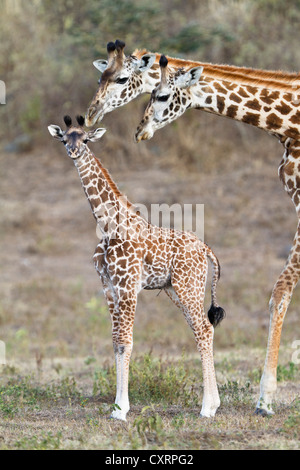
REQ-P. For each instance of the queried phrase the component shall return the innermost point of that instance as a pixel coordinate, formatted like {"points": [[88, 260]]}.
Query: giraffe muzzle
{"points": [[93, 116], [142, 135]]}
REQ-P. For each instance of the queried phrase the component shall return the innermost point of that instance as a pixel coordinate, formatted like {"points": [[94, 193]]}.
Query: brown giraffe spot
{"points": [[283, 108], [207, 89], [231, 86], [234, 97], [292, 132], [220, 103], [289, 168], [252, 89], [148, 258], [254, 104], [154, 75], [295, 119], [267, 109], [289, 183], [123, 94], [251, 118], [92, 191], [243, 93], [208, 100], [232, 111], [220, 89], [289, 97], [85, 181], [273, 121], [296, 199], [269, 97]]}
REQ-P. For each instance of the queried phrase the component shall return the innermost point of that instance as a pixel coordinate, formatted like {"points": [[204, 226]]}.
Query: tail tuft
{"points": [[215, 315]]}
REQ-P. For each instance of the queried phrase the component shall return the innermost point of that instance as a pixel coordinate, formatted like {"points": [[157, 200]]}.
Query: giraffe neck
{"points": [[264, 103], [152, 76], [115, 215]]}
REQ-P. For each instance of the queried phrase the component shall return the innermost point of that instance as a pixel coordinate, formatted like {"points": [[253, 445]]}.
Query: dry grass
{"points": [[65, 404]]}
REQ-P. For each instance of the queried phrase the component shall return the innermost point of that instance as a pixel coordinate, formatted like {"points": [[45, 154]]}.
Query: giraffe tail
{"points": [[215, 313]]}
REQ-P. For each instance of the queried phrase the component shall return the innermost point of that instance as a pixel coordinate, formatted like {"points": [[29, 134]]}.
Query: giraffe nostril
{"points": [[92, 111]]}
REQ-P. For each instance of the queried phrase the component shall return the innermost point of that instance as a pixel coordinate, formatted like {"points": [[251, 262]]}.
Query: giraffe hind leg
{"points": [[191, 304]]}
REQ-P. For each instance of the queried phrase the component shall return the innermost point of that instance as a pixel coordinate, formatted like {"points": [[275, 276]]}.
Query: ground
{"points": [[58, 386]]}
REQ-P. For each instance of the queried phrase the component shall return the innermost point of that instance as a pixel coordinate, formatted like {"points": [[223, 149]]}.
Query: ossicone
{"points": [[80, 120], [163, 61], [111, 47], [119, 45], [68, 121]]}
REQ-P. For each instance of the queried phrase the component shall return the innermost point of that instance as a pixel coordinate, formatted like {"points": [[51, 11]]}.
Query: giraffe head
{"points": [[121, 81], [75, 139], [169, 99]]}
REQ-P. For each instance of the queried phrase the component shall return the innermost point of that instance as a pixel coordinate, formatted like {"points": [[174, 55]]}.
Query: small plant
{"points": [[21, 393], [291, 425], [47, 441], [286, 372], [149, 424], [104, 382], [157, 382], [232, 392]]}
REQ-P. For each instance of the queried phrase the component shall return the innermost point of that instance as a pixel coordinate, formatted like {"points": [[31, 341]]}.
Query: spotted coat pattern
{"points": [[269, 101], [127, 77], [133, 255]]}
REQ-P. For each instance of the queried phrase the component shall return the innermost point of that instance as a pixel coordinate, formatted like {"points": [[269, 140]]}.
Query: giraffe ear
{"points": [[145, 62], [190, 77], [100, 65], [96, 134], [55, 131]]}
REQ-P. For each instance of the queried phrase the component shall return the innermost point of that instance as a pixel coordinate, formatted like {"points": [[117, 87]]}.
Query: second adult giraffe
{"points": [[267, 101]]}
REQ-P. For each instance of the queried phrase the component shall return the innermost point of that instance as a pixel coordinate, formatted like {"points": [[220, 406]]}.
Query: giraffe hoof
{"points": [[262, 412]]}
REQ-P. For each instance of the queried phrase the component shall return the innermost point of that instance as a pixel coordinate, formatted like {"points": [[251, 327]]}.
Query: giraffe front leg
{"points": [[122, 358], [122, 343], [279, 303], [280, 299]]}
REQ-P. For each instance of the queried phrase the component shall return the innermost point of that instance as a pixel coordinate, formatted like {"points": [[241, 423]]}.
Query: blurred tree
{"points": [[47, 48]]}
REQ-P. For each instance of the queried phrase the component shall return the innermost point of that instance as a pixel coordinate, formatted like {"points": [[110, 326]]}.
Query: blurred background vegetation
{"points": [[47, 47]]}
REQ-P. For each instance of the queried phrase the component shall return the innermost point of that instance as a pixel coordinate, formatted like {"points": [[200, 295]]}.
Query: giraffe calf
{"points": [[134, 255]]}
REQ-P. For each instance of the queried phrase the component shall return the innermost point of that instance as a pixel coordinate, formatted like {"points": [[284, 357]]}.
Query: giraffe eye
{"points": [[163, 98], [121, 81]]}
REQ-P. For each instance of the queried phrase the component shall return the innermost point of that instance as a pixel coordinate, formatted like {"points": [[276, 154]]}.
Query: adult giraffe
{"points": [[266, 100], [134, 255], [127, 77]]}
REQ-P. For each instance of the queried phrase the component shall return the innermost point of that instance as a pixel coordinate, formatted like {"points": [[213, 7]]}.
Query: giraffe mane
{"points": [[278, 80], [113, 185]]}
